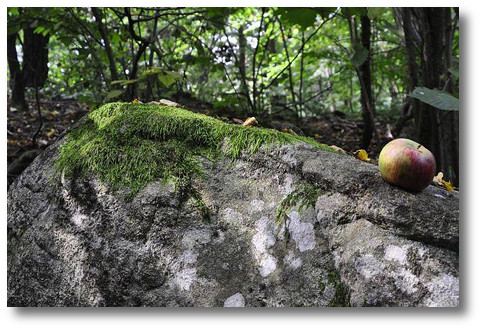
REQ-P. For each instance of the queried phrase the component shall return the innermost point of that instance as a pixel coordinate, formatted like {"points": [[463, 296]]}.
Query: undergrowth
{"points": [[131, 145]]}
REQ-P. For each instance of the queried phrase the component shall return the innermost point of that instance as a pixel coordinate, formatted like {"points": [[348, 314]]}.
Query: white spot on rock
{"points": [[264, 238], [236, 300], [231, 216], [257, 205], [185, 277], [292, 262], [78, 219], [262, 241], [444, 291], [406, 281], [393, 252], [287, 186], [267, 264], [188, 257], [368, 266], [303, 233], [196, 237]]}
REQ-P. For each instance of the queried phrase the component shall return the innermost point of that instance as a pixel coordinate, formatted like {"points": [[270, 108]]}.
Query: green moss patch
{"points": [[132, 145]]}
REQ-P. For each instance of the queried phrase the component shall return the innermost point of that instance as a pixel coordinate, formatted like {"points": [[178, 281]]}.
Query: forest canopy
{"points": [[289, 64]]}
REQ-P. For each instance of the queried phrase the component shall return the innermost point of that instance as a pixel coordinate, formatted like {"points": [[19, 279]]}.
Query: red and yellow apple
{"points": [[407, 164]]}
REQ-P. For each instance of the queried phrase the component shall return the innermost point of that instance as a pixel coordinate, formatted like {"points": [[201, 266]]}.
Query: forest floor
{"points": [[58, 115]]}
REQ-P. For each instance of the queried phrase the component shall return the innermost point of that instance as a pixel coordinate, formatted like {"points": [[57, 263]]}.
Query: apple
{"points": [[407, 164]]}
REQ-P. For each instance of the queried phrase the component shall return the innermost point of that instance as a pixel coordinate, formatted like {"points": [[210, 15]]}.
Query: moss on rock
{"points": [[131, 145]]}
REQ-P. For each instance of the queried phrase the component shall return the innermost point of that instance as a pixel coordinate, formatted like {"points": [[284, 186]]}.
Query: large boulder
{"points": [[289, 225]]}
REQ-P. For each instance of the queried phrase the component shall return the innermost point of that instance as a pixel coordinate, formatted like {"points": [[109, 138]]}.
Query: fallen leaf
{"points": [[448, 185], [289, 131], [169, 103], [50, 132], [251, 121], [338, 149], [135, 101], [362, 155], [438, 180]]}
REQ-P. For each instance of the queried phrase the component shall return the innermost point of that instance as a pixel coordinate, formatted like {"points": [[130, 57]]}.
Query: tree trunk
{"points": [[35, 58], [16, 75], [429, 28], [432, 29]]}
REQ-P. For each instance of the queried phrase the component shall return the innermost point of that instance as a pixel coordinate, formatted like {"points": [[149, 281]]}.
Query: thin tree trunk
{"points": [[368, 108], [300, 91], [290, 73], [242, 61]]}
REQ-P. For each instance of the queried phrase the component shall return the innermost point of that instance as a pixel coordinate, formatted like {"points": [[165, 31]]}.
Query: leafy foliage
{"points": [[256, 61]]}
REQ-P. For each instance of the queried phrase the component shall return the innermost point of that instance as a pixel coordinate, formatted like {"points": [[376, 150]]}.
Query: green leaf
{"points": [[436, 98], [304, 17], [13, 11], [124, 82], [167, 80], [325, 12], [358, 54], [113, 94], [11, 29], [454, 72], [153, 70], [376, 12], [354, 11]]}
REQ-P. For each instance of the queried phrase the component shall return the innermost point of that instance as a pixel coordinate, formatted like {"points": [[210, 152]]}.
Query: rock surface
{"points": [[73, 242]]}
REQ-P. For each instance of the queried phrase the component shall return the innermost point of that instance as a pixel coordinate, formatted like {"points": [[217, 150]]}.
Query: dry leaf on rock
{"points": [[439, 181], [338, 149], [362, 155]]}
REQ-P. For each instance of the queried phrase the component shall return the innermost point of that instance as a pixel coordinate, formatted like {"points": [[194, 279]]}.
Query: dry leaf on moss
{"points": [[251, 121]]}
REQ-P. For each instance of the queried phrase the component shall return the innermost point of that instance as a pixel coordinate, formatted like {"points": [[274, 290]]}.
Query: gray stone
{"points": [[74, 242]]}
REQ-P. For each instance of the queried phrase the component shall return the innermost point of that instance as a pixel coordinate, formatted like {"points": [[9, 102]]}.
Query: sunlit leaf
{"points": [[358, 54], [113, 94], [167, 80], [124, 82]]}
